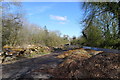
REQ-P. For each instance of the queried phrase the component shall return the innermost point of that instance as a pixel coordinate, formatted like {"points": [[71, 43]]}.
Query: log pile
{"points": [[9, 51]]}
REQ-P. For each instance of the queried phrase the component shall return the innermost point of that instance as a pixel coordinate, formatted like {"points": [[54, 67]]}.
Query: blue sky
{"points": [[61, 16]]}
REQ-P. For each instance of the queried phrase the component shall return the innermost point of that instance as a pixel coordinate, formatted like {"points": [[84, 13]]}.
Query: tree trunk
{"points": [[83, 32], [119, 25], [118, 21]]}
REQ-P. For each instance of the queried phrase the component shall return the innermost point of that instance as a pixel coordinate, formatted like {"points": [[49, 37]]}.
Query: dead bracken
{"points": [[102, 65]]}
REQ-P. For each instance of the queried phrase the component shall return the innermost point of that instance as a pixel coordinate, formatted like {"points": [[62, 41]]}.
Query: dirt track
{"points": [[40, 66], [19, 68]]}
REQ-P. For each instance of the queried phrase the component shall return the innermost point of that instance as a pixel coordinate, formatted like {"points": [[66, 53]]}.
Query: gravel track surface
{"points": [[20, 68]]}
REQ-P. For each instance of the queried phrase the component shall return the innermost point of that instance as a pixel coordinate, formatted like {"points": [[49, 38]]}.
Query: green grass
{"points": [[35, 54]]}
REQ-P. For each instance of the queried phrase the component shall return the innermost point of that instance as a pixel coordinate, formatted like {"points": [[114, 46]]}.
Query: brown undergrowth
{"points": [[81, 64]]}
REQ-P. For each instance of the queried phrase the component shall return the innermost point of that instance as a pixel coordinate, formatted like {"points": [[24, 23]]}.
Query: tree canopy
{"points": [[105, 16]]}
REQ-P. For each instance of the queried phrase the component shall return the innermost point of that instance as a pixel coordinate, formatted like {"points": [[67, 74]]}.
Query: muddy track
{"points": [[20, 68]]}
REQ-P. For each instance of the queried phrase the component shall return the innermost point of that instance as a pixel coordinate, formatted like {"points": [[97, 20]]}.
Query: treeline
{"points": [[102, 25], [16, 31]]}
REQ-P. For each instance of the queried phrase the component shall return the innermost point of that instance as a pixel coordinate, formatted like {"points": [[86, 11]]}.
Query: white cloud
{"points": [[59, 18]]}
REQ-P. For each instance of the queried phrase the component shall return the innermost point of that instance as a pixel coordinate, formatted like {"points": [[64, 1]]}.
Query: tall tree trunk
{"points": [[83, 32], [118, 20], [119, 25]]}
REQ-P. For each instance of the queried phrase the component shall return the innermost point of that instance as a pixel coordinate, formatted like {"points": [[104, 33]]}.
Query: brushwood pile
{"points": [[85, 63]]}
